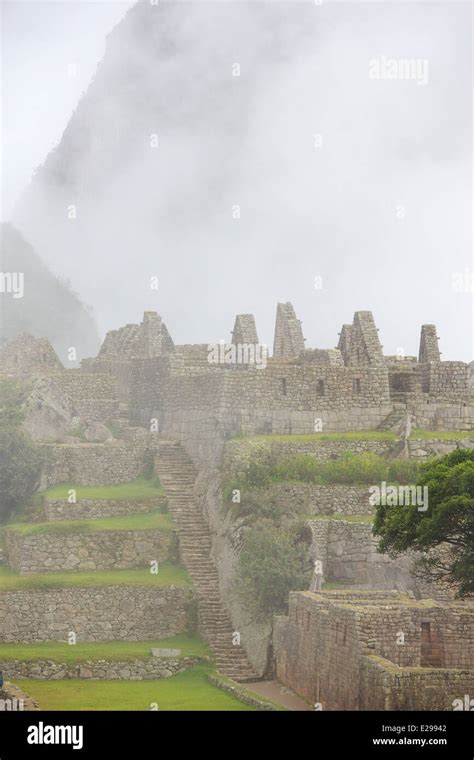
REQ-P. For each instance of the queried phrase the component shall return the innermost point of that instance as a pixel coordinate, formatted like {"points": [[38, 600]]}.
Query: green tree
{"points": [[21, 460], [272, 563], [444, 533]]}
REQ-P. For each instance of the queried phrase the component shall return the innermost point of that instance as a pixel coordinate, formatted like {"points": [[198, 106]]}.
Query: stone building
{"points": [[369, 650], [298, 390]]}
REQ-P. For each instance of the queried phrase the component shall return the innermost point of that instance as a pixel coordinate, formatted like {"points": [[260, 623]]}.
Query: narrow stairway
{"points": [[394, 419], [177, 475]]}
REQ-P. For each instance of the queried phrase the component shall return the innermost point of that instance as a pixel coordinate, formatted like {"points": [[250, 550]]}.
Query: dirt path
{"points": [[280, 694]]}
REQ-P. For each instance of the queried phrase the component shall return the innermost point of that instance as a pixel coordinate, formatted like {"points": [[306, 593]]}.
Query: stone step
{"points": [[177, 475]]}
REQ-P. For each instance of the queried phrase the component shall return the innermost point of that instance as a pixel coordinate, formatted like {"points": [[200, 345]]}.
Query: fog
{"points": [[302, 179]]}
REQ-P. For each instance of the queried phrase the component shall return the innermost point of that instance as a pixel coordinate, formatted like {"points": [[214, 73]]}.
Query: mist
{"points": [[302, 178]]}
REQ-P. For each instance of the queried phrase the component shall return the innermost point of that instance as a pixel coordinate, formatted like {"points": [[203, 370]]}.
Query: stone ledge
{"points": [[88, 551], [97, 670], [240, 693], [13, 699], [122, 613]]}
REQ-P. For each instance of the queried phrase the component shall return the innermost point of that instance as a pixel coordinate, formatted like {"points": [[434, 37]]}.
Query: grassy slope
{"points": [[60, 651], [432, 435], [356, 435], [148, 521], [185, 691], [141, 488], [168, 575]]}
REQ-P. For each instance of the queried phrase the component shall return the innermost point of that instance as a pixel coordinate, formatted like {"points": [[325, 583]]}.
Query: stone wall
{"points": [[348, 551], [422, 449], [429, 349], [449, 380], [365, 348], [102, 613], [95, 464], [365, 651], [240, 452], [58, 551], [94, 397], [312, 499], [349, 554], [288, 340], [445, 415], [245, 330], [120, 368], [95, 670], [382, 687], [96, 509]]}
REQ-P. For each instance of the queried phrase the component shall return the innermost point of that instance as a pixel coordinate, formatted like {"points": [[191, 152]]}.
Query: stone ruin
{"points": [[336, 648], [351, 387], [375, 650]]}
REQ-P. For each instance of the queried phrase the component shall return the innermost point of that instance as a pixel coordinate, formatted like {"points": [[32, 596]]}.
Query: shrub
{"points": [[272, 563], [404, 470], [21, 460], [21, 463]]}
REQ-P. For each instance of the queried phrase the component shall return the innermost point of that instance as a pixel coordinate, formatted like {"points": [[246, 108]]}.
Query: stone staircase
{"points": [[177, 475], [394, 419]]}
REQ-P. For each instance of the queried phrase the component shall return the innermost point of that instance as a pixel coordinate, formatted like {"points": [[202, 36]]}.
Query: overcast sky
{"points": [[384, 205]]}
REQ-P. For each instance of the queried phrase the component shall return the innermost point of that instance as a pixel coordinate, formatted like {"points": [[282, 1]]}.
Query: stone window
{"points": [[284, 389], [320, 388], [356, 386]]}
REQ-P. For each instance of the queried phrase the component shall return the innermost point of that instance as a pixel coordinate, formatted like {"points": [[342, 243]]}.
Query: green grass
{"points": [[337, 586], [59, 651], [148, 521], [138, 489], [186, 691], [363, 468], [355, 435], [168, 575], [443, 435]]}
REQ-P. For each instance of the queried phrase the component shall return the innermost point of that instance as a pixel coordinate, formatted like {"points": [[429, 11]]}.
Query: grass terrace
{"points": [[59, 651], [168, 575], [186, 691], [355, 435], [440, 435], [148, 521], [134, 490], [363, 468]]}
